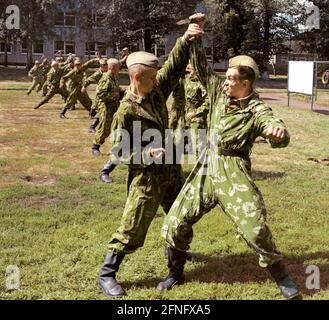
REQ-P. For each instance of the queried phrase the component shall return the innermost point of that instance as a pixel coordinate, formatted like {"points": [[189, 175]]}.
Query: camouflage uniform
{"points": [[223, 177], [108, 94], [45, 69], [189, 96], [38, 78], [93, 79], [54, 85], [76, 78], [149, 185]]}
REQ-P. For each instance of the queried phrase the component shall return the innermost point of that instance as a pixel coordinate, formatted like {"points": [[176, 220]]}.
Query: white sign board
{"points": [[301, 77]]}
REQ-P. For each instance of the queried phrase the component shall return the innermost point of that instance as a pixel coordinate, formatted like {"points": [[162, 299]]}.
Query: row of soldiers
{"points": [[68, 78]]}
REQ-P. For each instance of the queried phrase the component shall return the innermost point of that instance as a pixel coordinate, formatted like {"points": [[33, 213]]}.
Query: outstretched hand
{"points": [[275, 133], [195, 28]]}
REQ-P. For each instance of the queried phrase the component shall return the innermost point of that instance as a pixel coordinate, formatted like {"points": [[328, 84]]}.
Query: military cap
{"points": [[244, 61], [59, 59], [103, 61], [142, 57], [77, 61], [113, 61]]}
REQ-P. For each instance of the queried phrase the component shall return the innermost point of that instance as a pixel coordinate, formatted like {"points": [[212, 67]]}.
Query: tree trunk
{"points": [[5, 63], [266, 42], [29, 58]]}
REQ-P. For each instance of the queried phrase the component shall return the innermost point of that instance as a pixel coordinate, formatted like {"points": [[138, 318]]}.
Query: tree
{"points": [[145, 19], [256, 27], [34, 24], [314, 40]]}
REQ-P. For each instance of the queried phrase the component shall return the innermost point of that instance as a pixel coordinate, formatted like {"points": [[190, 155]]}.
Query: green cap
{"points": [[77, 61], [142, 57], [113, 61], [244, 61]]}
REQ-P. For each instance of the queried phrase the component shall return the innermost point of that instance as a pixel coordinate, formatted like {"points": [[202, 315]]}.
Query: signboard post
{"points": [[301, 79]]}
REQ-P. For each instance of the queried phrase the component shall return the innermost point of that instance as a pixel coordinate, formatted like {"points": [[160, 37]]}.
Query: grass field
{"points": [[56, 216]]}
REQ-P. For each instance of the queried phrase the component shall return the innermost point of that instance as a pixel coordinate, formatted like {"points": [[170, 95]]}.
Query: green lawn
{"points": [[56, 216]]}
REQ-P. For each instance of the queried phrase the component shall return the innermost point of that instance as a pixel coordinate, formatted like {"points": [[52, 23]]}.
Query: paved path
{"points": [[280, 99]]}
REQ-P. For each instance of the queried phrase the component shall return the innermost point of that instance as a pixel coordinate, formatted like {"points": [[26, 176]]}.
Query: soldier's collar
{"points": [[133, 97], [243, 102]]}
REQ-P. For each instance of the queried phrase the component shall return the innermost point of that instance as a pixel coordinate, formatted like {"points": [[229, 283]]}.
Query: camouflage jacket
{"points": [[36, 72], [78, 76], [190, 96], [236, 123], [94, 78], [141, 114], [108, 90], [54, 76]]}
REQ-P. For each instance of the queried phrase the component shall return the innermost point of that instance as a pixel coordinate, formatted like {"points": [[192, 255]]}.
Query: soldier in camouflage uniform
{"points": [[108, 94], [94, 79], [36, 73], [54, 83], [149, 184], [45, 69], [77, 76], [223, 174], [189, 110], [190, 103]]}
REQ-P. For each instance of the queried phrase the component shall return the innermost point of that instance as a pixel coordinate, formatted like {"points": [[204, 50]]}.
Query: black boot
{"points": [[92, 128], [189, 255], [280, 274], [38, 106], [107, 281], [95, 150], [176, 262], [62, 113], [105, 173]]}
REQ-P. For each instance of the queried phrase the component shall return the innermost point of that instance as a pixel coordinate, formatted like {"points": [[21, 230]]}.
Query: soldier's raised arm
{"points": [[177, 61]]}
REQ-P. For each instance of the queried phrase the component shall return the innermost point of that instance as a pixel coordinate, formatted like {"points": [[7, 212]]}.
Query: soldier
{"points": [[53, 79], [76, 76], [109, 94], [149, 184], [123, 58], [223, 174], [94, 79], [190, 107], [45, 69], [36, 73]]}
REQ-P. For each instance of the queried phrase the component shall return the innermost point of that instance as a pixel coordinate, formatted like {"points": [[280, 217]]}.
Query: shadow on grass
{"points": [[324, 112], [243, 268], [267, 175]]}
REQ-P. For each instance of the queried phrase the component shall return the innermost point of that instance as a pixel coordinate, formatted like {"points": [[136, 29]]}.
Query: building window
{"points": [[59, 19], [2, 47], [37, 47], [99, 20], [65, 47], [65, 19], [70, 19], [93, 47]]}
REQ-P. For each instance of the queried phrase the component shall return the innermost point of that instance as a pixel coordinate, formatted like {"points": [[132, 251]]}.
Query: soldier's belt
{"points": [[233, 153]]}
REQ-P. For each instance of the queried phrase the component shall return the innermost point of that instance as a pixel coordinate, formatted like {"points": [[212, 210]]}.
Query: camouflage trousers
{"points": [[94, 106], [36, 85], [105, 114], [226, 182], [76, 95], [52, 92], [148, 188]]}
